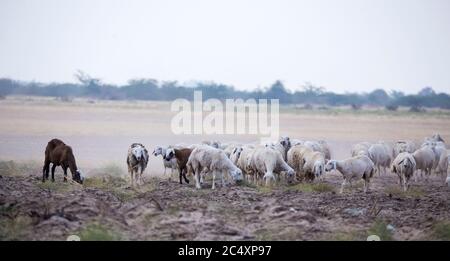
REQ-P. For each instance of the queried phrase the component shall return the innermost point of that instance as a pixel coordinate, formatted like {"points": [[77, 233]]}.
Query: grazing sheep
{"points": [[214, 144], [360, 149], [359, 167], [425, 158], [440, 151], [267, 161], [60, 154], [241, 157], [404, 165], [380, 156], [215, 161], [137, 160], [171, 164], [295, 159], [182, 157], [314, 165], [404, 146]]}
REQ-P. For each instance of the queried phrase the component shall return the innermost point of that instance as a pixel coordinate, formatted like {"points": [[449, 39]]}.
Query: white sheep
{"points": [[359, 167], [171, 164], [425, 158], [314, 166], [215, 161], [381, 156], [241, 157], [360, 148], [267, 161], [295, 159], [404, 146], [404, 165]]}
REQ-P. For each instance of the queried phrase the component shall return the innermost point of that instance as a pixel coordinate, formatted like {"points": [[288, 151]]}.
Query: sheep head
{"points": [[318, 169], [170, 154], [158, 151], [330, 165], [236, 174], [78, 176], [138, 152]]}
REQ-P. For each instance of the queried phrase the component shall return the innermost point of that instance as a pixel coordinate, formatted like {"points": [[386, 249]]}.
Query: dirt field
{"points": [[106, 208]]}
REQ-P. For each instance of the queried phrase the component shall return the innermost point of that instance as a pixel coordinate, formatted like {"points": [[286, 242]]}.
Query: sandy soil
{"points": [[101, 132]]}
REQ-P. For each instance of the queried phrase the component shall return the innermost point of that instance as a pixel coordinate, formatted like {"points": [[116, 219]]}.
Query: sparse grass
{"points": [[312, 187], [379, 228], [246, 183], [14, 228], [98, 232], [413, 192], [346, 236], [56, 186], [118, 186], [12, 168], [264, 189], [441, 231]]}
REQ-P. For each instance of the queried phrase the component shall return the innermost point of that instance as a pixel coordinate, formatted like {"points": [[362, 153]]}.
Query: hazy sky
{"points": [[343, 45]]}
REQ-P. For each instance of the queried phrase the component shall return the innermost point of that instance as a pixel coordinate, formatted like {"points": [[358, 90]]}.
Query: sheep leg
{"points": [[65, 173], [342, 186], [184, 176], [45, 170], [132, 177], [53, 172], [197, 179], [223, 179], [214, 180], [366, 184]]}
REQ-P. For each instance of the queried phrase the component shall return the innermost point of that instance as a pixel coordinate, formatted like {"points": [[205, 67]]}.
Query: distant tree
{"points": [[427, 91], [378, 97]]}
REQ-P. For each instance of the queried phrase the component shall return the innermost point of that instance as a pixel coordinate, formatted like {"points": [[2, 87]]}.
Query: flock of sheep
{"points": [[292, 159], [296, 161]]}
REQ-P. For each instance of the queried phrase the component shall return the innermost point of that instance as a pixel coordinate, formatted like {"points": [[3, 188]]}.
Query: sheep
{"points": [[295, 159], [60, 154], [360, 148], [268, 161], [404, 165], [320, 146], [172, 164], [425, 158], [358, 167], [214, 144], [380, 156], [229, 148], [442, 166], [241, 157], [282, 145], [436, 137], [404, 146], [314, 165], [440, 151], [182, 156], [215, 160], [137, 160]]}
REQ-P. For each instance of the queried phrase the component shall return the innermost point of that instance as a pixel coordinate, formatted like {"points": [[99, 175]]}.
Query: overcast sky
{"points": [[342, 45]]}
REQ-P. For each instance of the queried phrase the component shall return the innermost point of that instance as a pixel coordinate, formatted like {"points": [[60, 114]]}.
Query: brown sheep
{"points": [[60, 154], [182, 156]]}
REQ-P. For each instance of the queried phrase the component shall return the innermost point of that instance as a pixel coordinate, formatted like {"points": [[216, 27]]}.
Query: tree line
{"points": [[150, 89]]}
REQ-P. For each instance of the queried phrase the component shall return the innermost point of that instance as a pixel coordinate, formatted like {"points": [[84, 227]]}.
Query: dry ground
{"points": [[106, 208]]}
